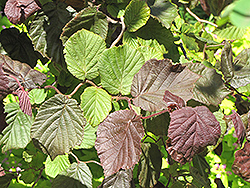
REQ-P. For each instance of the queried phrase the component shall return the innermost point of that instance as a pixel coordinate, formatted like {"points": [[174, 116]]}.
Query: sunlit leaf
{"points": [[37, 96], [239, 16], [77, 175], [190, 131], [117, 67], [17, 134], [24, 102], [230, 32], [58, 126], [136, 15], [82, 51], [155, 77], [118, 141], [150, 53]]}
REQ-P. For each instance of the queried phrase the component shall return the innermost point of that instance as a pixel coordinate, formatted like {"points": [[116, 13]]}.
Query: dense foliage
{"points": [[124, 93]]}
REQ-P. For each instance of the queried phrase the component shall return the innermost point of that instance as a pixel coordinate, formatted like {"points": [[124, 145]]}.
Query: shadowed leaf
{"points": [[118, 141], [6, 180], [227, 62], [190, 130], [77, 4]]}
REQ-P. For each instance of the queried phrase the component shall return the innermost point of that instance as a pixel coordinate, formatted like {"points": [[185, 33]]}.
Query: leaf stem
{"points": [[93, 162], [39, 176], [200, 20], [75, 90], [112, 20], [53, 87], [91, 83], [158, 113], [76, 158], [124, 98], [120, 35]]}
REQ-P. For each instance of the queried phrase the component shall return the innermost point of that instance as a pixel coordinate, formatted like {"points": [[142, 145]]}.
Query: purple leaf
{"points": [[171, 99], [4, 88], [24, 102], [118, 141], [157, 76], [239, 127], [190, 131], [241, 163]]}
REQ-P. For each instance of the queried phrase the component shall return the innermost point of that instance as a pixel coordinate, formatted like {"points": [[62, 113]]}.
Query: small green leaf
{"points": [[118, 65], [136, 15], [60, 163], [150, 53], [77, 175], [17, 134], [190, 42], [37, 96], [96, 104], [82, 51]]}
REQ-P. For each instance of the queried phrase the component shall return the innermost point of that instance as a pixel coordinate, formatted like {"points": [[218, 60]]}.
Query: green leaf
{"points": [[17, 134], [230, 32], [165, 11], [37, 96], [239, 15], [117, 67], [89, 18], [58, 126], [59, 164], [136, 15], [82, 51], [201, 180], [89, 137], [149, 165], [150, 53], [28, 176], [190, 42], [77, 175], [5, 180], [96, 104], [210, 88], [227, 62]]}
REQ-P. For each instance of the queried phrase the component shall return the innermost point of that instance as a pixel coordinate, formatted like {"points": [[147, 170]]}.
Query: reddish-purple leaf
{"points": [[248, 127], [157, 76], [4, 88], [172, 99], [24, 102], [118, 141], [17, 11], [241, 163], [239, 126], [190, 131]]}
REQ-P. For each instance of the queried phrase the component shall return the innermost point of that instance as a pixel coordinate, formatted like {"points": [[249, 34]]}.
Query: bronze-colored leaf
{"points": [[24, 102], [190, 131], [17, 11], [241, 163], [4, 87], [118, 141], [172, 99]]}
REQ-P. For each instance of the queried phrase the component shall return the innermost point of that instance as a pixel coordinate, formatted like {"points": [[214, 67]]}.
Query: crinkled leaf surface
{"points": [[165, 11], [155, 77], [17, 134], [37, 96], [149, 165], [136, 15], [230, 32], [96, 104], [239, 126], [210, 88], [150, 53], [118, 141], [117, 67], [82, 51], [4, 83], [89, 18], [190, 130], [59, 164], [121, 179], [58, 126], [24, 102], [241, 163], [227, 62], [17, 11], [77, 175]]}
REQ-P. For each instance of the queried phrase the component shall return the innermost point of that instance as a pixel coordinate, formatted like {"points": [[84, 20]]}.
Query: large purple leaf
{"points": [[172, 99], [17, 11], [118, 141], [241, 163], [4, 87], [190, 131], [239, 126], [24, 102], [157, 76]]}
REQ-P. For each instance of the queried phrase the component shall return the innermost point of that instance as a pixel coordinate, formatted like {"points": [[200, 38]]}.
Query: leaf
{"points": [[121, 179], [239, 16], [28, 176], [24, 102], [165, 11], [239, 126], [6, 180], [227, 62], [241, 163], [210, 88], [150, 165], [59, 164], [190, 42], [96, 104], [77, 175], [136, 15], [155, 77], [89, 137], [90, 19], [198, 179], [150, 53], [4, 83], [214, 6], [17, 134], [82, 51], [118, 141], [37, 96], [117, 67], [230, 32], [76, 4], [190, 131], [171, 99], [17, 11], [58, 126]]}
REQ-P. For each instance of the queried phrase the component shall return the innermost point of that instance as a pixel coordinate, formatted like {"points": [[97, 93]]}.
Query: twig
{"points": [[120, 35], [53, 87], [124, 98], [93, 162], [75, 90], [91, 83], [112, 21], [200, 20], [76, 158], [234, 89], [161, 112], [39, 176]]}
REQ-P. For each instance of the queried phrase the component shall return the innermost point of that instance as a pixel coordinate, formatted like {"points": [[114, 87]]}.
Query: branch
{"points": [[91, 83], [75, 90], [120, 36], [200, 20], [53, 87], [76, 158], [152, 115], [112, 21], [93, 162]]}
